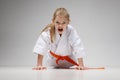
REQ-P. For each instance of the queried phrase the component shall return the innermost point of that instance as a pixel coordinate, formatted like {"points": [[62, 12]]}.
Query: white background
{"points": [[97, 21]]}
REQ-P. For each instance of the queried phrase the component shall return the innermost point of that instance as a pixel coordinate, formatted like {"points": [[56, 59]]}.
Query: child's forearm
{"points": [[39, 60], [80, 62], [39, 63]]}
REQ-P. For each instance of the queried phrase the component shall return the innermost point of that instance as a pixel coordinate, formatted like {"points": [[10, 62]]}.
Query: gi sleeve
{"points": [[41, 46], [77, 45]]}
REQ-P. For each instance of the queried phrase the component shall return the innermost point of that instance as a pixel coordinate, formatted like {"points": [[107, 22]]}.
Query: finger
{"points": [[44, 68], [101, 68], [41, 68], [78, 68], [35, 68], [85, 68]]}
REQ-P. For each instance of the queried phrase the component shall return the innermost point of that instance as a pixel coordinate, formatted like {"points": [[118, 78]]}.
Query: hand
{"points": [[39, 68], [89, 68], [81, 68]]}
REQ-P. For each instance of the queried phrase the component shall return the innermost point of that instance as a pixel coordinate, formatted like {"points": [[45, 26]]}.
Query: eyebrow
{"points": [[60, 23]]}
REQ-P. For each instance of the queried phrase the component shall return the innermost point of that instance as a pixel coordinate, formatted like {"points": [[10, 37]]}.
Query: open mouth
{"points": [[60, 30]]}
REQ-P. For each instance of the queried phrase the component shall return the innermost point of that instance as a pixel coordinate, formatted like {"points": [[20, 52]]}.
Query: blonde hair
{"points": [[58, 12]]}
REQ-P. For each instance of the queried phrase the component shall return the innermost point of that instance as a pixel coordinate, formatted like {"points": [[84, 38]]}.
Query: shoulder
{"points": [[70, 29], [72, 32], [45, 33]]}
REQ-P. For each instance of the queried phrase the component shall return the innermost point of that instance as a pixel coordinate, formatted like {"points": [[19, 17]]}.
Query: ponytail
{"points": [[52, 31]]}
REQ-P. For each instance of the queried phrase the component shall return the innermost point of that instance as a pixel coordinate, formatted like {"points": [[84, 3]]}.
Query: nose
{"points": [[59, 26]]}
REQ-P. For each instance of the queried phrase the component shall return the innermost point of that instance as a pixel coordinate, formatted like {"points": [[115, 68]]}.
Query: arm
{"points": [[39, 60], [39, 63], [80, 62], [40, 49], [82, 67]]}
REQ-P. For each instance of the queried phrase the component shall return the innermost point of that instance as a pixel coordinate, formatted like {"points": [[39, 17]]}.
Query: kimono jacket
{"points": [[68, 44]]}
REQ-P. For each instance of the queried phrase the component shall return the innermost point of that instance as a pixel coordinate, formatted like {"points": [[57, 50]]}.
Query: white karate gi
{"points": [[68, 44]]}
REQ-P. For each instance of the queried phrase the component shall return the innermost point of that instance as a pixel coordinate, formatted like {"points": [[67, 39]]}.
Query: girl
{"points": [[59, 44]]}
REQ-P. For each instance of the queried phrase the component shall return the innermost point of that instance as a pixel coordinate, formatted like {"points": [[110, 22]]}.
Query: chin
{"points": [[60, 32]]}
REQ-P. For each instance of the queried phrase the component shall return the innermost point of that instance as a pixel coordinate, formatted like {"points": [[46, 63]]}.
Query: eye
{"points": [[57, 22], [64, 23]]}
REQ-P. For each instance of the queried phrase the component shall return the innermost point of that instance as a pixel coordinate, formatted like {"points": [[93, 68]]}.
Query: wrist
{"points": [[39, 64]]}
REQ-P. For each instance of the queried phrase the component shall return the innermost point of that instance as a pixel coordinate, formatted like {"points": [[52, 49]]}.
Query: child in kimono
{"points": [[59, 44]]}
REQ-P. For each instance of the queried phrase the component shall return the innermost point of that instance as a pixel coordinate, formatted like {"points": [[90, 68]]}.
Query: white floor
{"points": [[26, 73]]}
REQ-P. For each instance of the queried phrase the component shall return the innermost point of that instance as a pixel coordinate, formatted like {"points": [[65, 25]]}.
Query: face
{"points": [[60, 23]]}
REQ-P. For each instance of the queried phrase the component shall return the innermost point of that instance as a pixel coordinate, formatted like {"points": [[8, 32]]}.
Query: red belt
{"points": [[67, 58]]}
